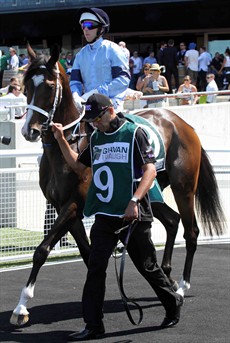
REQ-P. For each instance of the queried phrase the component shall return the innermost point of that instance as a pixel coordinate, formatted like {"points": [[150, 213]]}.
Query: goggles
{"points": [[90, 25]]}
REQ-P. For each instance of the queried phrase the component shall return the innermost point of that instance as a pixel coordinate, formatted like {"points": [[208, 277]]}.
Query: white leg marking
{"points": [[26, 294], [183, 286]]}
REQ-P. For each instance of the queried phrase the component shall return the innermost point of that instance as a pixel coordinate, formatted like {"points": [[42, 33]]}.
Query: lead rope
{"points": [[120, 275]]}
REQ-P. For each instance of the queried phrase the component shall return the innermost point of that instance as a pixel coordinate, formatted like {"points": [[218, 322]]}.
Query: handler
{"points": [[119, 154], [100, 66]]}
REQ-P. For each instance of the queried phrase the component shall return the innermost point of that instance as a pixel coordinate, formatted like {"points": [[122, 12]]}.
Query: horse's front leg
{"points": [[170, 219], [20, 315]]}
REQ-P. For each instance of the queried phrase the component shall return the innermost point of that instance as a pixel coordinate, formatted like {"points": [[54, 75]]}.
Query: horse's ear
{"points": [[30, 51], [54, 57]]}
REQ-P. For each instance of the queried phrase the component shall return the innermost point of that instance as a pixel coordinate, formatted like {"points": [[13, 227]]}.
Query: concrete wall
{"points": [[211, 122]]}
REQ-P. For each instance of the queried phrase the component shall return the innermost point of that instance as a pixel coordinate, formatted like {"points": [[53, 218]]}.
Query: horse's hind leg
{"points": [[170, 219], [79, 234], [185, 205]]}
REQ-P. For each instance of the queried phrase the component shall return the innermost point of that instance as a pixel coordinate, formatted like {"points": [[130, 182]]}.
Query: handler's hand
{"points": [[58, 131], [131, 211]]}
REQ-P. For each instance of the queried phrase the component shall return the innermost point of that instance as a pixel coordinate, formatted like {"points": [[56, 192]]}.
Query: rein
{"points": [[119, 276]]}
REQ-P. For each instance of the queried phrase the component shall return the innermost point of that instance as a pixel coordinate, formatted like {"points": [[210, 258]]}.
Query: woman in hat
{"points": [[155, 84]]}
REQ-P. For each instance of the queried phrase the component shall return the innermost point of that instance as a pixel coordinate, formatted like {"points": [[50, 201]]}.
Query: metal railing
{"points": [[23, 206]]}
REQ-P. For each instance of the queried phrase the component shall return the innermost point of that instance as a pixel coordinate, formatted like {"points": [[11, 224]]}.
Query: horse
{"points": [[187, 171]]}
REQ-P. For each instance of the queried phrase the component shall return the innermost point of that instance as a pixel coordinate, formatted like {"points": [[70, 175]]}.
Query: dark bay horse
{"points": [[187, 171]]}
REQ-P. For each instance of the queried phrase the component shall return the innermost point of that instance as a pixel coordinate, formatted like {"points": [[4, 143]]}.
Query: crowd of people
{"points": [[173, 64], [196, 67]]}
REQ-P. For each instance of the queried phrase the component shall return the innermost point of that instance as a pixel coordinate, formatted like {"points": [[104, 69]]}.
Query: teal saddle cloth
{"points": [[156, 141]]}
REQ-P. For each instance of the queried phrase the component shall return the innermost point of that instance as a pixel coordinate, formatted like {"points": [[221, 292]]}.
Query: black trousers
{"points": [[143, 254]]}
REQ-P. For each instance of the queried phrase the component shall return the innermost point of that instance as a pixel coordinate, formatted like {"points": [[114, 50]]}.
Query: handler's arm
{"points": [[69, 154], [149, 175]]}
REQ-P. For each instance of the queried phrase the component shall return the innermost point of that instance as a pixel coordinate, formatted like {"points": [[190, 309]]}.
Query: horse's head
{"points": [[46, 86]]}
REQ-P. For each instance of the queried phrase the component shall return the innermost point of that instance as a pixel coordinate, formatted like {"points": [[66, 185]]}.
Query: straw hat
{"points": [[155, 66]]}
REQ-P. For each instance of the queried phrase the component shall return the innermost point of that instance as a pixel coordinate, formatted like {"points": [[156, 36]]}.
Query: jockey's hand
{"points": [[88, 94], [58, 131], [78, 101]]}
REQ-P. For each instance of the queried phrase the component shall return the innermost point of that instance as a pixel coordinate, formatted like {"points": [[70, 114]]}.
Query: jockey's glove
{"points": [[78, 101], [87, 95]]}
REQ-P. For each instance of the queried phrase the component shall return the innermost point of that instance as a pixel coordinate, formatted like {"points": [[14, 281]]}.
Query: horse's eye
{"points": [[50, 84]]}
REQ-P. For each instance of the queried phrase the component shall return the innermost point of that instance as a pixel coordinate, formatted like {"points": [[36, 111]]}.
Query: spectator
{"points": [[14, 60], [155, 84], [226, 66], [100, 66], [126, 51], [145, 72], [136, 69], [204, 61], [25, 60], [170, 62], [3, 66], [150, 59], [191, 62], [140, 82], [187, 88], [15, 92], [211, 87], [181, 54], [69, 62], [14, 81], [163, 45], [62, 60], [21, 58], [215, 67], [131, 66]]}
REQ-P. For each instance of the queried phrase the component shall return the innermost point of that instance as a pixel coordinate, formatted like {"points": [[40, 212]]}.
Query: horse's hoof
{"points": [[19, 319], [175, 285]]}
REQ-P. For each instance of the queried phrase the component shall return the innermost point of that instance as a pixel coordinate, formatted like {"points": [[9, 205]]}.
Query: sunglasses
{"points": [[186, 80], [98, 118], [90, 25], [146, 69], [208, 77]]}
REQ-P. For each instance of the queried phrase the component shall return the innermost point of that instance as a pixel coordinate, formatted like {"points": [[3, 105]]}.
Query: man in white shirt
{"points": [[191, 62], [204, 61], [14, 60], [136, 69], [211, 87]]}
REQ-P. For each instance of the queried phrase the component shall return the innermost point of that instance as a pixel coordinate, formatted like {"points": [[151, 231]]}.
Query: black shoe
{"points": [[172, 320], [87, 334], [169, 323]]}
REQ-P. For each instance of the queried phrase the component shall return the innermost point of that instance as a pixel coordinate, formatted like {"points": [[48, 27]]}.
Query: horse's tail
{"points": [[208, 202]]}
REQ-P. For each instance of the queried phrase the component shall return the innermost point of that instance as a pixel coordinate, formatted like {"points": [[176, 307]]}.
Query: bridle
{"points": [[57, 100]]}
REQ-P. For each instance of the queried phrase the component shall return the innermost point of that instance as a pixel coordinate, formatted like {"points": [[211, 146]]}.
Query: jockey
{"points": [[100, 66]]}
